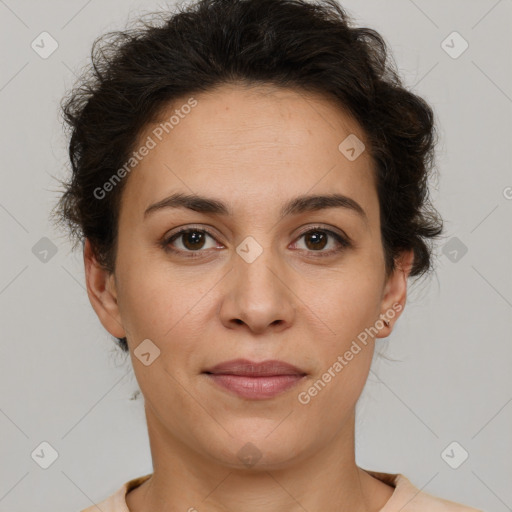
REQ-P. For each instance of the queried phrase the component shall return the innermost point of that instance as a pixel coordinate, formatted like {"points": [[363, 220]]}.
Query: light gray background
{"points": [[62, 379]]}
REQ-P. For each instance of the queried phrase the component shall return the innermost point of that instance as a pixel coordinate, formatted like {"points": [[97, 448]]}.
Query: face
{"points": [[257, 276]]}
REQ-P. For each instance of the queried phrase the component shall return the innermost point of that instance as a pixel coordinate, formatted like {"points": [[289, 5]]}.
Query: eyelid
{"points": [[343, 240], [166, 240], [190, 227], [327, 228]]}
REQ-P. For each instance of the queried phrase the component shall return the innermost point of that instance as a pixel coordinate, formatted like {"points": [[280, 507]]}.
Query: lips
{"points": [[244, 367], [255, 381]]}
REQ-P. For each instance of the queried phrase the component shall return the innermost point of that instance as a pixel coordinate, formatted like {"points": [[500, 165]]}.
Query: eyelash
{"points": [[166, 243]]}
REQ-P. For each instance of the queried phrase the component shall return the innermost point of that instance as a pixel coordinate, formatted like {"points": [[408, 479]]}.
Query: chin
{"points": [[258, 447]]}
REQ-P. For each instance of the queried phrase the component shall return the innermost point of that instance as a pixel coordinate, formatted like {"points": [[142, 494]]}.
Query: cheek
{"points": [[348, 303], [346, 297], [345, 357], [165, 308], [157, 300], [334, 394], [349, 306]]}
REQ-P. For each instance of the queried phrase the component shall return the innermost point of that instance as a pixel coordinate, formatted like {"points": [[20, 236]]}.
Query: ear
{"points": [[102, 293], [394, 294]]}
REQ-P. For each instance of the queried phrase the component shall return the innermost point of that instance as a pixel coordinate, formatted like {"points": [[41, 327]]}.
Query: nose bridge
{"points": [[253, 262], [252, 268], [257, 296]]}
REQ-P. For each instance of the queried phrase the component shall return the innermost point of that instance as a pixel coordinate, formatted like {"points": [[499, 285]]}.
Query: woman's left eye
{"points": [[317, 239], [193, 240]]}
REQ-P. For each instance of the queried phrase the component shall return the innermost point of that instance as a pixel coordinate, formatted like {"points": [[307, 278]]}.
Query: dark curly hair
{"points": [[309, 47]]}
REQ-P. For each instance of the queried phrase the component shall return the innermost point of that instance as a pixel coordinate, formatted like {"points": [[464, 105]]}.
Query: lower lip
{"points": [[256, 388]]}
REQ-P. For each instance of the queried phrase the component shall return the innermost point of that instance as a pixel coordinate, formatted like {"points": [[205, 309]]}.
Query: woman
{"points": [[250, 184]]}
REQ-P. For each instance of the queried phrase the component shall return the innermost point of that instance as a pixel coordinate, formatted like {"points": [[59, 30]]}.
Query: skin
{"points": [[254, 149]]}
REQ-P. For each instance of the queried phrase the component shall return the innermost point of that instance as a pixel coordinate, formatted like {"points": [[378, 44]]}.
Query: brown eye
{"points": [[189, 241], [193, 240], [315, 240]]}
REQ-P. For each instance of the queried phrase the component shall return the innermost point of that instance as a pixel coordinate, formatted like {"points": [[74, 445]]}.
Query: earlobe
{"points": [[395, 292], [102, 293]]}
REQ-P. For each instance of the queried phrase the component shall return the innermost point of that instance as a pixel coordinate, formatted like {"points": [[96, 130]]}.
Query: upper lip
{"points": [[270, 367]]}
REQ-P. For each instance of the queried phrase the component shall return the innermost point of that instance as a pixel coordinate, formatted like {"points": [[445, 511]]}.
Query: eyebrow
{"points": [[297, 205]]}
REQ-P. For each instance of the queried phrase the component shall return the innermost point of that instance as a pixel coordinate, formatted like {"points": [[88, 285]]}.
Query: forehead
{"points": [[245, 144]]}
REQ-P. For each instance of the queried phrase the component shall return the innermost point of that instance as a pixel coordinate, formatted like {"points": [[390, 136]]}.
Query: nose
{"points": [[257, 295]]}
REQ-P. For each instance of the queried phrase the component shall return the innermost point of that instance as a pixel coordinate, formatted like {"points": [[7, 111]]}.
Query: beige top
{"points": [[405, 498]]}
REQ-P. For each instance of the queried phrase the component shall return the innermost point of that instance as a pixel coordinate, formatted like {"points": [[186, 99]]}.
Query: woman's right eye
{"points": [[191, 240]]}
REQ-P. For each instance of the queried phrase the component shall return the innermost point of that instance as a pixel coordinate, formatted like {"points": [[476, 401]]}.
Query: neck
{"points": [[327, 480]]}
